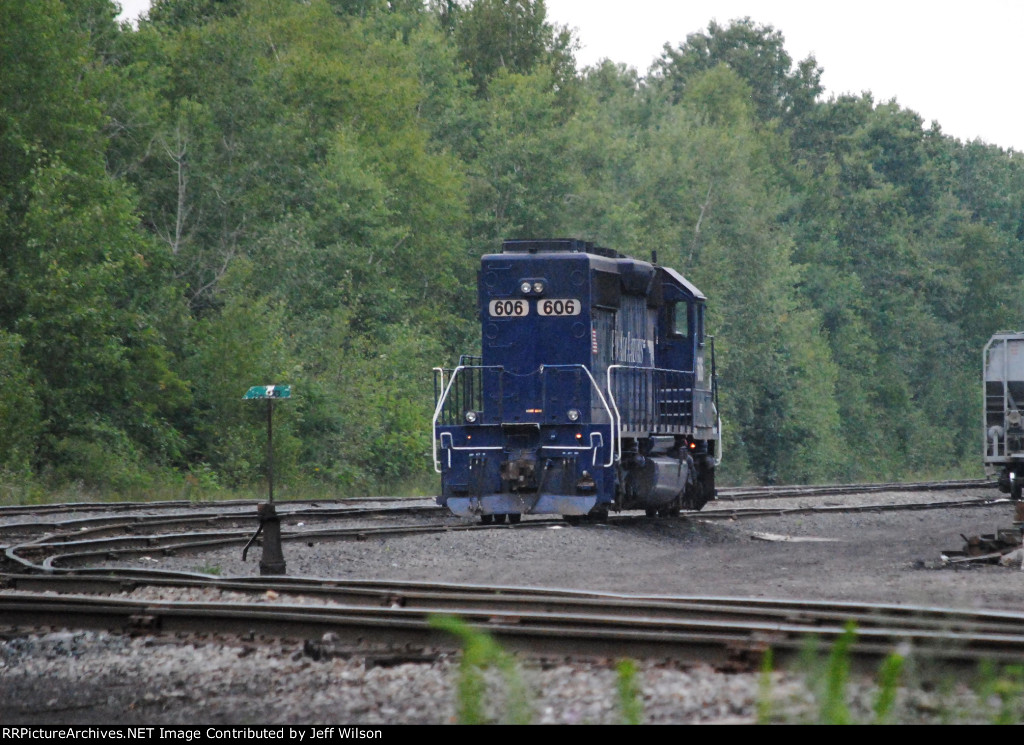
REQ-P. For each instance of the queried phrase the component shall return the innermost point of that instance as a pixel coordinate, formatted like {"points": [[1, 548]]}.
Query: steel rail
{"points": [[70, 552], [441, 597], [783, 492], [743, 512], [179, 504], [99, 526], [75, 549], [724, 494], [721, 640]]}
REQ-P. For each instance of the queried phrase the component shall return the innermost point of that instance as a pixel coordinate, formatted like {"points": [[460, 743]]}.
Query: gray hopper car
{"points": [[1003, 366]]}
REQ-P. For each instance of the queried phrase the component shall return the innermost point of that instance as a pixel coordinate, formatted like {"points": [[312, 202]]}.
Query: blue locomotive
{"points": [[595, 390]]}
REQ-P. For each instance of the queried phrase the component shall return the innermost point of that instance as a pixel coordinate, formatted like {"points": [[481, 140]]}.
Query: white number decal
{"points": [[503, 308], [558, 307]]}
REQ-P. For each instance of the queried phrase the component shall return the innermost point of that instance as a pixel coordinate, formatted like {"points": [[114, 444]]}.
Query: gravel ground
{"points": [[87, 677]]}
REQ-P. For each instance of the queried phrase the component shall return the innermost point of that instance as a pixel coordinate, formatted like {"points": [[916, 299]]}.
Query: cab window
{"points": [[680, 319]]}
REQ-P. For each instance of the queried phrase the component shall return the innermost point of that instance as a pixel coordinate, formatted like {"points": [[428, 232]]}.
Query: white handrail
{"points": [[451, 381], [604, 403], [437, 412], [615, 406]]}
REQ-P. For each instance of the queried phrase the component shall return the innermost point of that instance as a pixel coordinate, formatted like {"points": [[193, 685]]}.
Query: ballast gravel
{"points": [[96, 678], [90, 677]]}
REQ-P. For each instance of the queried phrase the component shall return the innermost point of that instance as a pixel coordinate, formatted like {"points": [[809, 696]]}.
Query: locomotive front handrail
{"points": [[442, 401], [438, 390], [604, 403], [439, 408]]}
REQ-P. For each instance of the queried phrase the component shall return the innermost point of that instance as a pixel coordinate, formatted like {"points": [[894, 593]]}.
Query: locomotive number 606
{"points": [[515, 308], [558, 307]]}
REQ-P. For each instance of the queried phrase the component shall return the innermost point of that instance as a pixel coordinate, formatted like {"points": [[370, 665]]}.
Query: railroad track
{"points": [[188, 505], [730, 633], [75, 559], [786, 492], [51, 553], [54, 553], [748, 512], [393, 503], [56, 546]]}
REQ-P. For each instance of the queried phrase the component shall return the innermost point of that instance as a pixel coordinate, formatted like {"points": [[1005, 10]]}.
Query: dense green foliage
{"points": [[242, 192]]}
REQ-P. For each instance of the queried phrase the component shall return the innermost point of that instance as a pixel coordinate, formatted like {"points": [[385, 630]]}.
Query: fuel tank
{"points": [[655, 481]]}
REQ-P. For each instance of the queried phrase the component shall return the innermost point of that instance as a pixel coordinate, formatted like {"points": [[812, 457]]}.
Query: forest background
{"points": [[243, 192]]}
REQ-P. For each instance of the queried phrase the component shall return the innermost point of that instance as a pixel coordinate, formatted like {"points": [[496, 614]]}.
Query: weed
{"points": [[479, 653], [830, 680], [631, 702], [998, 692], [1004, 689], [764, 689], [888, 684], [837, 674]]}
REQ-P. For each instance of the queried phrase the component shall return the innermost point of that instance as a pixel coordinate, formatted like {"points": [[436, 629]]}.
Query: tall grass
{"points": [[996, 694], [477, 702], [490, 689], [889, 676], [631, 704], [837, 675], [199, 484], [1003, 691], [481, 653], [829, 682]]}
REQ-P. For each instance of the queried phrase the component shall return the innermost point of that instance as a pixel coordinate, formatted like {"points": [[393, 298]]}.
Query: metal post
{"points": [[270, 447], [272, 561]]}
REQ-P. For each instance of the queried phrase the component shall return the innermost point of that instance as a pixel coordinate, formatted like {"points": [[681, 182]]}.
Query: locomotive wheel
{"points": [[573, 519], [651, 512], [486, 519], [499, 519], [701, 492], [514, 518]]}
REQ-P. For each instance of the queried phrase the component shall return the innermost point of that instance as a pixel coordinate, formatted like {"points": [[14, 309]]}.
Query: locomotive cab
{"points": [[592, 391]]}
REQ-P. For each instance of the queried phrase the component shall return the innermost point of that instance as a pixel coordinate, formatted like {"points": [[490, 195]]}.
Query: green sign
{"points": [[269, 391]]}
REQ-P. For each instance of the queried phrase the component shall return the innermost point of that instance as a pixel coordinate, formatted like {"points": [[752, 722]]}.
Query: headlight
{"points": [[471, 416], [525, 287], [538, 287], [573, 415]]}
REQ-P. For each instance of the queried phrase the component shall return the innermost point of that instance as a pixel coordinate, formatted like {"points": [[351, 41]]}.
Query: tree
{"points": [[514, 36], [82, 286], [709, 187], [754, 52], [520, 181]]}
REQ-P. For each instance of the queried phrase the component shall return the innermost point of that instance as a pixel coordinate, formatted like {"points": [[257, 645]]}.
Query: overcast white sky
{"points": [[954, 63]]}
